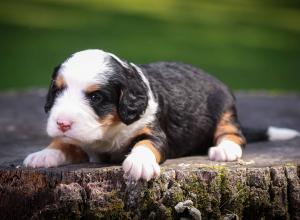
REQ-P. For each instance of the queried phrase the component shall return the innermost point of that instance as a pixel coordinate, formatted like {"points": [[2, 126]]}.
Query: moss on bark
{"points": [[216, 191]]}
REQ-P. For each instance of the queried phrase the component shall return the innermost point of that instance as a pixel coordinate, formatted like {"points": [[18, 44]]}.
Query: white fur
{"points": [[45, 158], [72, 106], [226, 150], [86, 67], [79, 71], [276, 134], [141, 164]]}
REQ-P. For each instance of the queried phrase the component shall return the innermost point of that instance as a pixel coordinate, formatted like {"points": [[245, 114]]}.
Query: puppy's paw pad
{"points": [[225, 151], [141, 164], [45, 158]]}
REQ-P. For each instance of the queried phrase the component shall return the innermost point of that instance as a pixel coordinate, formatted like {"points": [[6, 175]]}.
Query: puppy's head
{"points": [[93, 93]]}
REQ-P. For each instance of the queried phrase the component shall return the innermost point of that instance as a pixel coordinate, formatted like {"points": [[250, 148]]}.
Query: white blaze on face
{"points": [[79, 71], [86, 67]]}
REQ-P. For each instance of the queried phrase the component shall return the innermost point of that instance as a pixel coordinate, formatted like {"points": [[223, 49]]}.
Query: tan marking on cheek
{"points": [[60, 81], [72, 152], [109, 120], [150, 146], [92, 88]]}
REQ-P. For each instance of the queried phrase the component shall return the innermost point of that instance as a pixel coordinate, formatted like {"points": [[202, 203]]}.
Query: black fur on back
{"points": [[190, 105]]}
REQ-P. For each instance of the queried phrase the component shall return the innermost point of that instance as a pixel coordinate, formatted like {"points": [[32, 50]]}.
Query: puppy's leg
{"points": [[56, 154], [143, 160], [228, 139]]}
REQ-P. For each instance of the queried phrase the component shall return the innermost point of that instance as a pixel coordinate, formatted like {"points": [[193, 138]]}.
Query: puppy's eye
{"points": [[95, 96]]}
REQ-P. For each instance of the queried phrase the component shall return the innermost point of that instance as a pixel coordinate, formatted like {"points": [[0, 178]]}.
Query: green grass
{"points": [[250, 44]]}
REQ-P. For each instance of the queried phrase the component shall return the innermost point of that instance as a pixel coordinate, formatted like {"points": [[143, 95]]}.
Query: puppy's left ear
{"points": [[51, 91], [133, 99]]}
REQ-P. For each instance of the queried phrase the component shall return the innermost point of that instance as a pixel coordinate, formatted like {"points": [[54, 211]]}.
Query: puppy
{"points": [[104, 108]]}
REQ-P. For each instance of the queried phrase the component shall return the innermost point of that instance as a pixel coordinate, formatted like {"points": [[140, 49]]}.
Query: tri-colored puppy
{"points": [[101, 105]]}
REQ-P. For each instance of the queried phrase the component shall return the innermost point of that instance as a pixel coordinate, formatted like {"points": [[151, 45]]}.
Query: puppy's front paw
{"points": [[45, 158], [141, 164], [225, 151]]}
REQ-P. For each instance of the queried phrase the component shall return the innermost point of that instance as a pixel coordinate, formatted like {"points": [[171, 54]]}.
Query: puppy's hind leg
{"points": [[228, 139]]}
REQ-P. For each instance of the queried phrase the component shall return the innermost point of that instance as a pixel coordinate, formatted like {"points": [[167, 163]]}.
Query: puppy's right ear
{"points": [[133, 98], [52, 91], [133, 94]]}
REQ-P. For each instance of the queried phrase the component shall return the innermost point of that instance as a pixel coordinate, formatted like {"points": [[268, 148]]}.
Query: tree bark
{"points": [[85, 191]]}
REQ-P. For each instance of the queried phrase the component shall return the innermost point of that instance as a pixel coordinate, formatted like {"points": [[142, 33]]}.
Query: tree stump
{"points": [[94, 191], [265, 184]]}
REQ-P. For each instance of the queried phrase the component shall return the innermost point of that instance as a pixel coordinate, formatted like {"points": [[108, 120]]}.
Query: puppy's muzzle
{"points": [[64, 125]]}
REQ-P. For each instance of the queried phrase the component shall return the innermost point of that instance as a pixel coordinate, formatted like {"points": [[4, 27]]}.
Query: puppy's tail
{"points": [[269, 134]]}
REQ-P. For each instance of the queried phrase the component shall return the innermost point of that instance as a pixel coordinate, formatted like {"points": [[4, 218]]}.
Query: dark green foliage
{"points": [[248, 44]]}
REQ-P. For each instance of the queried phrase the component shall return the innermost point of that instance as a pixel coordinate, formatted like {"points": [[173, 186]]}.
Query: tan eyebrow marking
{"points": [[60, 81], [92, 88]]}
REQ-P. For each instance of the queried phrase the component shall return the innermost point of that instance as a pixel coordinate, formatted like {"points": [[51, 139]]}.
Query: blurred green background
{"points": [[249, 44]]}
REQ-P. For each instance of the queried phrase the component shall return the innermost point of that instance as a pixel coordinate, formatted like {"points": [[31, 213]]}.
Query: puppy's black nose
{"points": [[64, 125]]}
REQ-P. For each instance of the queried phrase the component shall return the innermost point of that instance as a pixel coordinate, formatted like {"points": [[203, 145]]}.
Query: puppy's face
{"points": [[91, 94]]}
